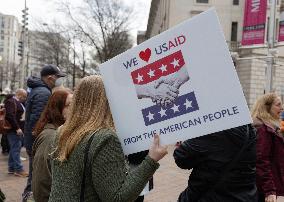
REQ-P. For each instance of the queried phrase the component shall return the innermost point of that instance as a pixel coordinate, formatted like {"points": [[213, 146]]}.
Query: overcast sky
{"points": [[45, 10]]}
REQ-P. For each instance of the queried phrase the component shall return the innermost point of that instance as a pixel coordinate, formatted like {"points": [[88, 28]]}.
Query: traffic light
{"points": [[25, 19], [20, 49]]}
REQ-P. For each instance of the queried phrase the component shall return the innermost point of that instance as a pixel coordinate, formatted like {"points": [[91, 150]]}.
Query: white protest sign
{"points": [[180, 84]]}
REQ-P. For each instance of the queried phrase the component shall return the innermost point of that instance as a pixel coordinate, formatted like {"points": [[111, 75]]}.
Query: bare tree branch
{"points": [[103, 22]]}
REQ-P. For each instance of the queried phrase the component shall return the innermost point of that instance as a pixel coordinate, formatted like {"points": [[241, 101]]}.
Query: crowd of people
{"points": [[75, 154]]}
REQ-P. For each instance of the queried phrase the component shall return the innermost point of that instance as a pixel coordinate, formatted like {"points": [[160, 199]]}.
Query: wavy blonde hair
{"points": [[89, 112], [262, 107]]}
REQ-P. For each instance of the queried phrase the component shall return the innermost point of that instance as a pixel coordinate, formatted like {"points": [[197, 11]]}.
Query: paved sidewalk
{"points": [[169, 181], [11, 185]]}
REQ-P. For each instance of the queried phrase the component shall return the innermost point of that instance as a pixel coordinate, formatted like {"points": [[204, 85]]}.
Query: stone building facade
{"points": [[10, 32], [250, 62]]}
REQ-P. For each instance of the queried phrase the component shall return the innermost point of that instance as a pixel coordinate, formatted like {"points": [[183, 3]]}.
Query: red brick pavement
{"points": [[169, 181]]}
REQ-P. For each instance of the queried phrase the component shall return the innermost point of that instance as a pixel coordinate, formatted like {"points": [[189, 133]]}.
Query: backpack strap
{"points": [[86, 152]]}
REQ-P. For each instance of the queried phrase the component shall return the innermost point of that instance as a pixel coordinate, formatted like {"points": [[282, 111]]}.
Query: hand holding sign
{"points": [[157, 152]]}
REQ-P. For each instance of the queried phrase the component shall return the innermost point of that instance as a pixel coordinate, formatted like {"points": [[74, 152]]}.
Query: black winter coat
{"points": [[36, 101], [208, 156]]}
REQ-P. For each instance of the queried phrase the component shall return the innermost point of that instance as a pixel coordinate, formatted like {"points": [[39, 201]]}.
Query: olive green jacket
{"points": [[41, 176], [106, 180]]}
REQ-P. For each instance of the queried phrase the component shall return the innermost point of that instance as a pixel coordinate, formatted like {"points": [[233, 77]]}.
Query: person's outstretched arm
{"points": [[110, 180]]}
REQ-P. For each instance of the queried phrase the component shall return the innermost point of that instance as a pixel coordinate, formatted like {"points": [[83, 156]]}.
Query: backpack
{"points": [[4, 124]]}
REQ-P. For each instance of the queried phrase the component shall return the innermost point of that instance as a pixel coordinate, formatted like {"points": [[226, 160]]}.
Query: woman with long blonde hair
{"points": [[88, 146], [270, 147]]}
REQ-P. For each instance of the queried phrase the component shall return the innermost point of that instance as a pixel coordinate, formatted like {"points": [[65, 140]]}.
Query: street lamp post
{"points": [[271, 51], [24, 40], [84, 59], [1, 83], [74, 60]]}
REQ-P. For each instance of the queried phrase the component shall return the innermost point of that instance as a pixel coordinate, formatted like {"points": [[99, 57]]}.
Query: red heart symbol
{"points": [[145, 55]]}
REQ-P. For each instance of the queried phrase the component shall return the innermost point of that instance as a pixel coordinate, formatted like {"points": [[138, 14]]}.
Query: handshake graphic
{"points": [[164, 90]]}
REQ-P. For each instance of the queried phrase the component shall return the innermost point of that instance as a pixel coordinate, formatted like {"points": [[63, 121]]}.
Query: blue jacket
{"points": [[36, 101]]}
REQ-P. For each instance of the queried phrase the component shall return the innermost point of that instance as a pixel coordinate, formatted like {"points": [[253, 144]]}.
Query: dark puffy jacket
{"points": [[270, 162], [35, 104], [208, 156]]}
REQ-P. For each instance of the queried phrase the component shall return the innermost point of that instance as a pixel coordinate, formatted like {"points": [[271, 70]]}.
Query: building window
{"points": [[234, 31], [235, 2], [202, 1]]}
